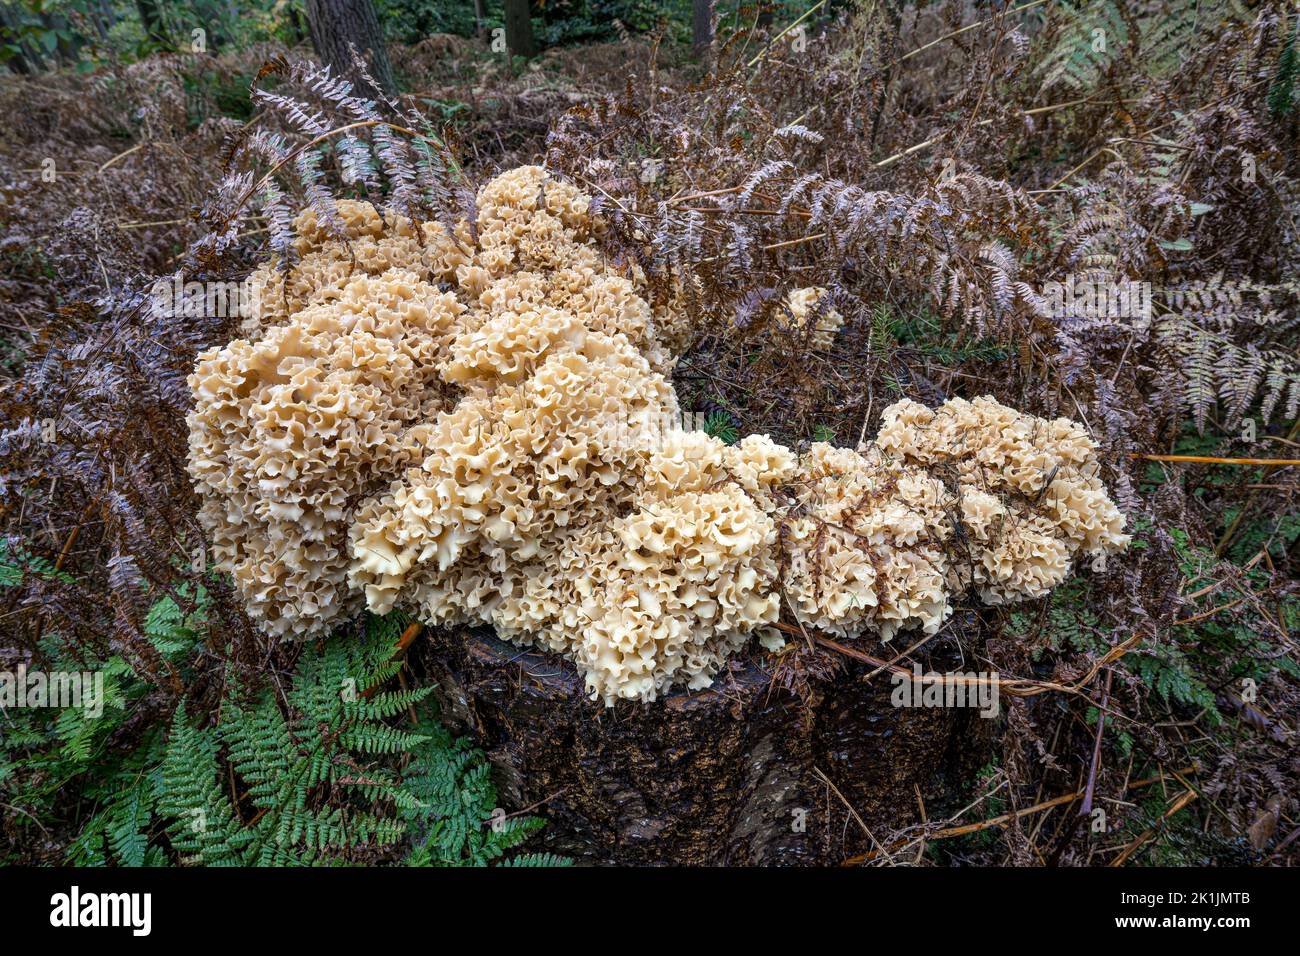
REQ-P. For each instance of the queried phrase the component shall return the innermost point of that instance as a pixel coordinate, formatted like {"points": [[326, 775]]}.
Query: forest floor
{"points": [[105, 174]]}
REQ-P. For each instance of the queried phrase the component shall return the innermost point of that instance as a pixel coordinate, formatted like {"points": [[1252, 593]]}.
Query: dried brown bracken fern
{"points": [[914, 162]]}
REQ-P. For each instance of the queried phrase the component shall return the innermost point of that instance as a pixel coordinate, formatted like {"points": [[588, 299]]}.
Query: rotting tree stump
{"points": [[743, 773]]}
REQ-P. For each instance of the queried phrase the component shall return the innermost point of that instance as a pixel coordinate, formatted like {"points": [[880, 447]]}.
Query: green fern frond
{"points": [[460, 823], [172, 631], [720, 426], [300, 778], [1281, 92], [201, 824], [17, 562]]}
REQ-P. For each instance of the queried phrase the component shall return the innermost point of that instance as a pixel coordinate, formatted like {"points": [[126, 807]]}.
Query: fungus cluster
{"points": [[478, 427], [804, 315]]}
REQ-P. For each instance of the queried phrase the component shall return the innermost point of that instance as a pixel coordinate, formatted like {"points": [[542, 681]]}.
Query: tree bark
{"points": [[338, 25], [519, 29], [742, 773], [480, 19], [702, 29]]}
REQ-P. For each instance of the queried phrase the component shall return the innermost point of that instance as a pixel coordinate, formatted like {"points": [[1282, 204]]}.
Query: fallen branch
{"points": [[404, 642], [122, 155], [408, 638], [965, 29], [1085, 811], [1014, 686], [767, 49], [1210, 460], [1183, 800], [966, 829]]}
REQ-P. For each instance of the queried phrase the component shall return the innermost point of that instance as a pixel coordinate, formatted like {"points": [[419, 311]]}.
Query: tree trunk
{"points": [[339, 25], [152, 21], [298, 30], [480, 19], [102, 16], [702, 29], [743, 773], [519, 29]]}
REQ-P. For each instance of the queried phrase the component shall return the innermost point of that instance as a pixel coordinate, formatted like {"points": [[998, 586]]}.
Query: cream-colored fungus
{"points": [[510, 453], [803, 318]]}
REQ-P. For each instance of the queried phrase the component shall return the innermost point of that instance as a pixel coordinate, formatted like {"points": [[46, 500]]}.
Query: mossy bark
{"points": [[743, 773]]}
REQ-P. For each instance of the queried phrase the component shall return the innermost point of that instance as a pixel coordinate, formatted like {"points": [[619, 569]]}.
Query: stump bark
{"points": [[743, 773]]}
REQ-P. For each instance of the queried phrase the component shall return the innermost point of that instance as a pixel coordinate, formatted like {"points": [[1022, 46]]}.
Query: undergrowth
{"points": [[936, 167], [324, 768]]}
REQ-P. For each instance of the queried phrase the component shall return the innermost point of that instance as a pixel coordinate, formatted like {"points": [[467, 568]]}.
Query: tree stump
{"points": [[742, 773]]}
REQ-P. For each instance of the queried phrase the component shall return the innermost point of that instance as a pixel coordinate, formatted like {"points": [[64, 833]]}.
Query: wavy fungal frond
{"points": [[478, 428]]}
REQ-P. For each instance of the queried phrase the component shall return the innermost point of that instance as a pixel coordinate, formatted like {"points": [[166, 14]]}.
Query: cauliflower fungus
{"points": [[807, 317], [510, 453]]}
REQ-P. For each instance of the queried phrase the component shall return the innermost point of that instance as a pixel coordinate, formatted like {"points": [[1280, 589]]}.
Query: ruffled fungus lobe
{"points": [[809, 318], [1029, 490], [510, 453]]}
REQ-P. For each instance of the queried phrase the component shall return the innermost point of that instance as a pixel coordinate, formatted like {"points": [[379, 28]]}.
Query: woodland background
{"points": [[934, 164]]}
